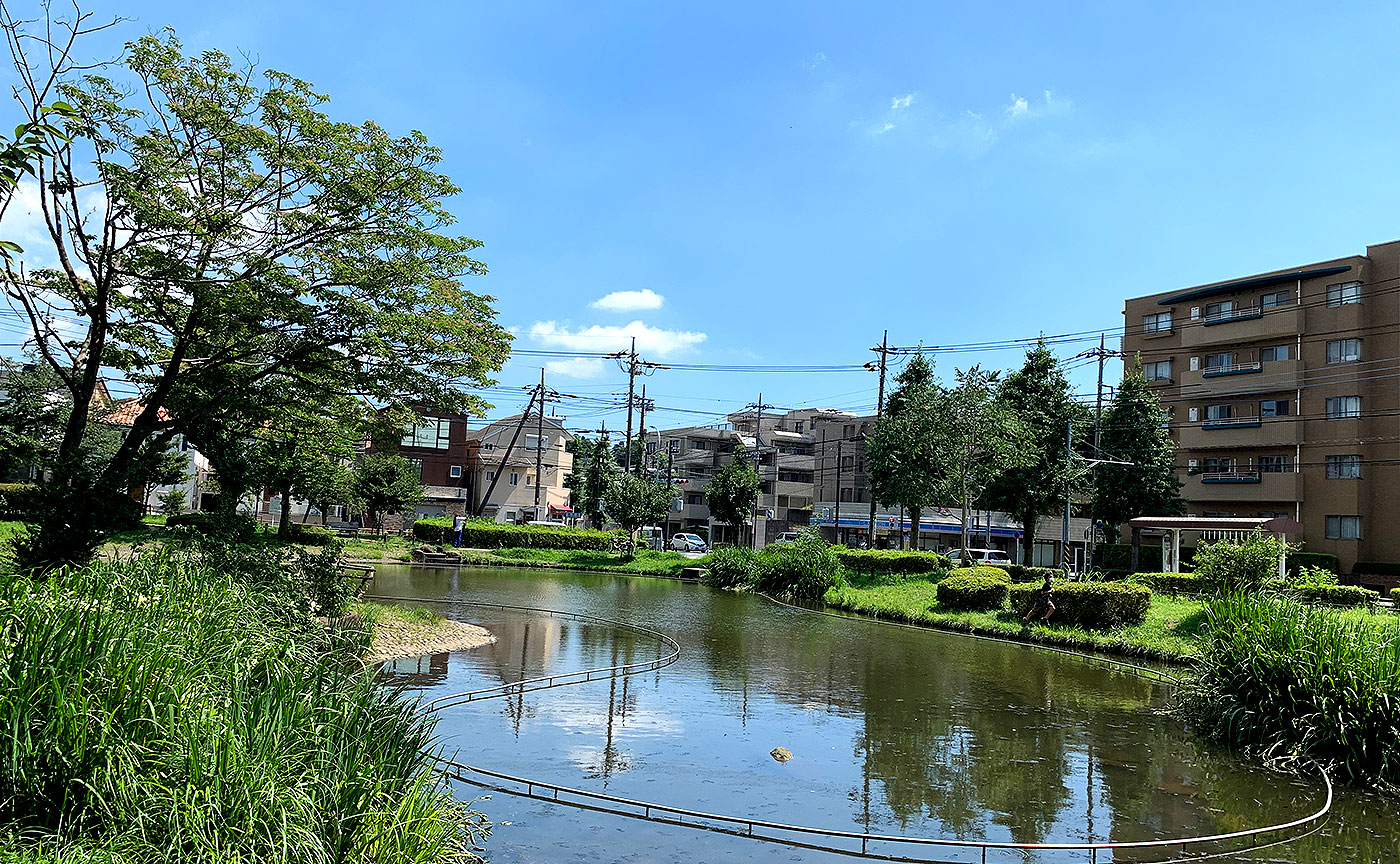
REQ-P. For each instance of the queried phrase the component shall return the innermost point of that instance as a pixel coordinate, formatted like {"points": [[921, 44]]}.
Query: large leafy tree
{"points": [[299, 452], [902, 454], [246, 253], [386, 483], [732, 492], [1135, 431], [1041, 398], [595, 472], [632, 502]]}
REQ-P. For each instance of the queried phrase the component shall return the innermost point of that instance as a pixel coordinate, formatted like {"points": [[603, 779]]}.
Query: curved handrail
{"points": [[603, 802]]}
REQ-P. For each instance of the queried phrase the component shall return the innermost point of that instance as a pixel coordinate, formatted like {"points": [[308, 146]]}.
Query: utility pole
{"points": [[821, 474], [631, 379], [757, 443], [884, 350], [1069, 468], [1098, 429], [539, 446], [642, 432], [838, 489]]}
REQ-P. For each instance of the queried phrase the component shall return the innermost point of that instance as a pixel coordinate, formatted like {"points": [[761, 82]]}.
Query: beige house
{"points": [[529, 483]]}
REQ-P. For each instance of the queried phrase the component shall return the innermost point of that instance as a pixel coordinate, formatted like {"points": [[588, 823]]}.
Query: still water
{"points": [[893, 730]]}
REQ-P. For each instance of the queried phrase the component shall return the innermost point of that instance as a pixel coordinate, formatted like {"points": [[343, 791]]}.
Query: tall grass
{"points": [[1297, 682], [156, 709]]}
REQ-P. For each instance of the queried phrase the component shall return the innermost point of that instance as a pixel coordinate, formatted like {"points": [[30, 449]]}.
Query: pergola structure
{"points": [[1213, 528]]}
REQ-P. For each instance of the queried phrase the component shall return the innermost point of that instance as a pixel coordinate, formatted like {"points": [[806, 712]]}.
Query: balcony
{"points": [[1277, 376], [1239, 313], [1235, 327], [1238, 432], [1232, 369], [1244, 485], [1232, 423]]}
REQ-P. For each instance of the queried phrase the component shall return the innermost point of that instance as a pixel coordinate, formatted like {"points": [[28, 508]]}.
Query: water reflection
{"points": [[895, 731]]}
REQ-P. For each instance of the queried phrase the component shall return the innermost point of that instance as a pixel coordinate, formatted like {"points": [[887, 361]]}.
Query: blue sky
{"points": [[793, 178]]}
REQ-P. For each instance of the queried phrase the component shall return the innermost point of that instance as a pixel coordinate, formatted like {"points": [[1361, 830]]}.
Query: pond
{"points": [[894, 730]]}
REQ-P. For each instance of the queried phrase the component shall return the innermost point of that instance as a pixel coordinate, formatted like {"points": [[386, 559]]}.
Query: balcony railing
{"points": [[1230, 477], [1232, 369], [1231, 423], [1239, 313]]}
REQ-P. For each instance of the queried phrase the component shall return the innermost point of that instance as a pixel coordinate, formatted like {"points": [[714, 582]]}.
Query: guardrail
{"points": [[1230, 477], [1232, 369], [803, 836], [1232, 314]]}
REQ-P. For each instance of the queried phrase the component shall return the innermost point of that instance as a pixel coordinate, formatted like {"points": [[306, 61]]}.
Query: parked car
{"points": [[683, 542], [978, 556], [786, 537]]}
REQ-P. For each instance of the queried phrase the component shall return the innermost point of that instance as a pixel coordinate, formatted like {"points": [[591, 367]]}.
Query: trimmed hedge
{"points": [[1337, 595], [882, 561], [985, 571], [1170, 583], [1022, 573], [968, 592], [494, 535], [17, 500], [1298, 560], [237, 525], [1089, 604], [310, 535], [1375, 568]]}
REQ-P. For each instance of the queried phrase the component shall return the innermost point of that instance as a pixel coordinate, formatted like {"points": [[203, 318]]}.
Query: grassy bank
{"points": [[159, 710], [644, 563], [1170, 632], [1295, 682]]}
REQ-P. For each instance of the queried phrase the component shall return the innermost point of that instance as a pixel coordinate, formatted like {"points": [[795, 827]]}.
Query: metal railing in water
{"points": [[812, 837]]}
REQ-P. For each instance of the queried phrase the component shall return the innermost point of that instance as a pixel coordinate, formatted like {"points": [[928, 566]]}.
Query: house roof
{"points": [[1254, 282], [125, 412]]}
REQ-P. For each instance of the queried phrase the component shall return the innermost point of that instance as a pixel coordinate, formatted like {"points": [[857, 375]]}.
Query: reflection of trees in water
{"points": [[426, 671]]}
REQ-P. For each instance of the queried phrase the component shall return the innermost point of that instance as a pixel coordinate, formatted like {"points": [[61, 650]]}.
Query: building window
{"points": [[1159, 371], [514, 478], [797, 426], [1343, 467], [532, 442], [848, 462], [490, 476], [1343, 350], [1218, 465], [1275, 352], [848, 431], [432, 432], [846, 494], [1161, 322], [1217, 361], [417, 467], [1275, 465], [1343, 527], [1219, 412], [1342, 407], [1274, 408], [1223, 309], [454, 471], [1344, 295], [1276, 299], [695, 498]]}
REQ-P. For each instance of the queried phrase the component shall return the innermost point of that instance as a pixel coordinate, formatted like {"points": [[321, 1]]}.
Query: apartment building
{"points": [[1280, 391]]}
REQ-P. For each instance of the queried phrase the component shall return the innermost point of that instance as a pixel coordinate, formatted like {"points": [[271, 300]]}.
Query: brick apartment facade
{"points": [[1281, 396]]}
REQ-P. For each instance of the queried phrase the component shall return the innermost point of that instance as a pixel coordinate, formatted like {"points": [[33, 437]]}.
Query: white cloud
{"points": [[651, 341], [1018, 108], [904, 101], [629, 301], [816, 60], [883, 129], [576, 367]]}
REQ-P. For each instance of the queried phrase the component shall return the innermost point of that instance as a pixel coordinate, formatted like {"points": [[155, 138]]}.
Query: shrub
{"points": [[1395, 596], [1336, 595], [1301, 683], [310, 535], [1090, 604], [984, 571], [877, 562], [1376, 568], [968, 591], [1299, 560], [1022, 573], [804, 569], [1228, 564], [731, 567], [1314, 576], [1169, 583], [479, 534], [17, 500], [214, 523]]}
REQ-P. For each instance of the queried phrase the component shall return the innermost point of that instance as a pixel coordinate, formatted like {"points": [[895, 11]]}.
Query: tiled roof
{"points": [[124, 413]]}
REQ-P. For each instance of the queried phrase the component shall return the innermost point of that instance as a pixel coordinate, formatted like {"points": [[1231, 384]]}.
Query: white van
{"points": [[978, 556]]}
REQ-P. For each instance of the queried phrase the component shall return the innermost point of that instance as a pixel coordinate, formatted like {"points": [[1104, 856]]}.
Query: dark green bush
{"points": [[1298, 560], [1336, 595], [1395, 596], [1090, 604], [879, 562], [1170, 583], [972, 592], [1375, 568], [214, 523], [985, 571], [17, 500], [309, 535], [479, 534], [1230, 563], [804, 569], [731, 567]]}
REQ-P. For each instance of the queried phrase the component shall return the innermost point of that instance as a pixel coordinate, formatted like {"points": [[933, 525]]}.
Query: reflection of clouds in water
{"points": [[598, 762], [579, 716]]}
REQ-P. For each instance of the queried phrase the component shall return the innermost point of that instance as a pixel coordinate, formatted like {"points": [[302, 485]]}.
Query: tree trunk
{"points": [[914, 514], [1028, 523], [966, 502], [284, 519]]}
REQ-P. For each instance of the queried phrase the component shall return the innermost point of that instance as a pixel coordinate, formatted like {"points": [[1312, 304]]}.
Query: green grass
{"points": [[645, 563], [416, 617], [1170, 632], [161, 711]]}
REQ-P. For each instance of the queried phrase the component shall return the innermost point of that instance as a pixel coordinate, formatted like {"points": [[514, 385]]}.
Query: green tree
{"points": [[902, 453], [1135, 431], [980, 439], [174, 501], [632, 502], [296, 452], [387, 483], [732, 492], [595, 472], [167, 467], [248, 243], [1041, 398], [325, 483], [33, 412]]}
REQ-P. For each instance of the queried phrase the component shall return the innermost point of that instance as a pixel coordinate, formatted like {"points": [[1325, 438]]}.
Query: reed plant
{"points": [[161, 710], [1297, 683]]}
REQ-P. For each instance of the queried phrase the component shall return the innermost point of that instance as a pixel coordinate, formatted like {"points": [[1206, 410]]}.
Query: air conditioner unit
{"points": [[1195, 364], [1195, 313], [1191, 464], [1195, 414]]}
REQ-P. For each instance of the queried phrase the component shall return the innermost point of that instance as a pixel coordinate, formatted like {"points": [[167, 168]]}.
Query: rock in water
{"points": [[782, 754]]}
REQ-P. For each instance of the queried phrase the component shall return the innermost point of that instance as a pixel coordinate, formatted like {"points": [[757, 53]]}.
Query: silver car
{"points": [[683, 542], [979, 556]]}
